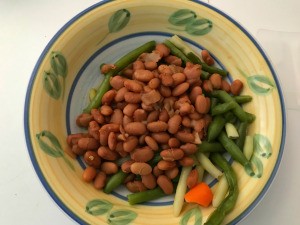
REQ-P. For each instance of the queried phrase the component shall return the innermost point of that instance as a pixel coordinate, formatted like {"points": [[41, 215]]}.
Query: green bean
{"points": [[223, 108], [237, 110], [177, 52], [229, 202], [145, 196], [229, 117], [235, 152], [205, 75], [120, 65], [242, 130], [115, 181], [241, 99], [205, 67], [215, 127], [206, 146], [213, 103]]}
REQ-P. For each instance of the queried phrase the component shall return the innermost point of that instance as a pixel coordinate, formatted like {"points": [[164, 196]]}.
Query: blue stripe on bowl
{"points": [[32, 80]]}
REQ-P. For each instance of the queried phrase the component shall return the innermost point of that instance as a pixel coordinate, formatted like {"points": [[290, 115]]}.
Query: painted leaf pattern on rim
{"points": [[98, 207], [194, 213]]}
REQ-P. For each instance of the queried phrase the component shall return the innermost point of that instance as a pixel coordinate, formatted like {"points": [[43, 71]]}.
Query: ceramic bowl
{"points": [[69, 67]]}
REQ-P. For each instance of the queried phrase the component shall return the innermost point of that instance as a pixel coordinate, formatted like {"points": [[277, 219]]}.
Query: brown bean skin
{"points": [[174, 143], [109, 167], [143, 75], [151, 143], [225, 86], [88, 143], [135, 186], [172, 173], [174, 123], [207, 58], [194, 93], [93, 129], [84, 119], [166, 165], [149, 181], [105, 153], [172, 154], [140, 115], [173, 60], [126, 120], [106, 110], [130, 143], [151, 97], [189, 148], [166, 80], [154, 83], [120, 150], [178, 78], [164, 115], [165, 184], [186, 161], [192, 179], [138, 65], [100, 180], [157, 172], [185, 136], [162, 49], [120, 95], [201, 104], [112, 141], [133, 86], [180, 89], [117, 117], [108, 97], [165, 91], [216, 81], [73, 138], [89, 174], [135, 128], [131, 97], [153, 116], [207, 86], [77, 150], [143, 154], [129, 109], [92, 159], [161, 137], [236, 87], [97, 116], [140, 168], [150, 65], [117, 82], [157, 126], [186, 121], [125, 167]]}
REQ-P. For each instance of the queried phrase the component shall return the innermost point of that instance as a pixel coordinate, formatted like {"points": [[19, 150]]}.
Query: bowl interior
{"points": [[69, 67]]}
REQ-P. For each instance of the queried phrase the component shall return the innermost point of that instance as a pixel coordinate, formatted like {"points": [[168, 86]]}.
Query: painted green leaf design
{"points": [[199, 27], [121, 217], [260, 84], [49, 144], [58, 64], [98, 207], [51, 84], [118, 20], [262, 146], [196, 213], [182, 17]]}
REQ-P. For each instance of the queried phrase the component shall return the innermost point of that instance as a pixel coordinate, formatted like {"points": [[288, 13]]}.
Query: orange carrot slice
{"points": [[200, 194]]}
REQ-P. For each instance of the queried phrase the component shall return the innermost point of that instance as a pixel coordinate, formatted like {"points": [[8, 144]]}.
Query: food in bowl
{"points": [[153, 122]]}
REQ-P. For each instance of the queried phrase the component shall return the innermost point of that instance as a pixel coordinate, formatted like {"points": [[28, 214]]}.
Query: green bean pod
{"points": [[241, 99], [237, 110], [176, 51], [213, 103], [115, 181], [120, 65], [206, 146], [215, 128], [230, 117], [242, 130], [229, 202], [145, 196], [235, 152], [223, 108]]}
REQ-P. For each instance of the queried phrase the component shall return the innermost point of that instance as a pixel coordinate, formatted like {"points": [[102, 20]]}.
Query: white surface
{"points": [[25, 29]]}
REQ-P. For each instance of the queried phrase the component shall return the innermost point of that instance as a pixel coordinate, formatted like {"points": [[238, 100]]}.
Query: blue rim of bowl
{"points": [[43, 180]]}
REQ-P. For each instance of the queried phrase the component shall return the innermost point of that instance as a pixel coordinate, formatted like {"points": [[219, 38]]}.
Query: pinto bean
{"points": [[174, 123], [164, 115], [129, 109], [105, 153], [201, 104], [125, 167], [165, 91], [173, 60], [151, 143], [186, 161], [88, 143], [106, 110], [161, 137], [84, 119], [130, 143], [207, 86], [165, 184], [194, 93], [157, 126], [120, 95], [135, 186], [117, 82], [138, 65], [97, 116], [172, 154], [108, 97], [142, 154], [192, 179], [207, 58], [166, 165], [92, 159], [172, 173], [154, 83], [151, 97], [157, 171], [109, 167], [180, 89], [174, 143], [112, 141], [140, 115], [216, 81], [117, 117], [77, 150], [135, 128], [166, 80], [133, 85], [100, 180], [153, 116], [149, 181], [189, 148], [178, 78], [89, 174], [143, 75], [132, 97], [140, 168], [150, 65], [225, 86], [186, 137], [236, 87], [162, 49]]}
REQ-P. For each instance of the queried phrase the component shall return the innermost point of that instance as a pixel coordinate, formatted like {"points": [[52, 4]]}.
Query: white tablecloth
{"points": [[25, 29]]}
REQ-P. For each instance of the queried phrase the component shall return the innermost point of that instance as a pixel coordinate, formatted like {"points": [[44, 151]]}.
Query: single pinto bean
{"points": [[149, 181], [140, 168], [186, 161], [157, 172], [133, 85], [88, 143], [77, 150], [151, 143], [106, 110], [143, 75], [207, 86], [135, 186], [172, 154], [178, 78], [117, 117], [89, 174], [153, 116], [139, 115], [180, 89], [189, 148], [164, 115], [225, 86], [161, 137], [174, 123], [165, 91], [135, 128], [125, 167], [166, 80], [120, 96], [216, 81], [142, 154], [130, 143], [165, 184], [236, 87], [154, 83], [192, 179], [131, 97], [186, 137], [166, 165], [138, 65], [108, 97], [174, 143], [105, 153], [129, 109], [84, 119], [112, 141], [109, 167], [158, 126], [92, 159], [162, 49], [100, 180], [93, 129], [117, 82], [98, 117], [172, 173], [201, 104]]}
